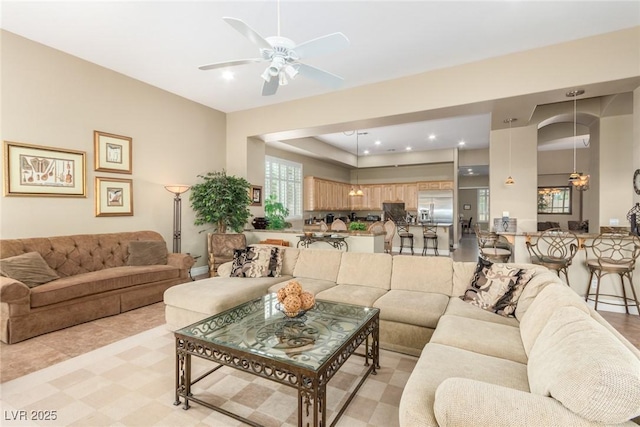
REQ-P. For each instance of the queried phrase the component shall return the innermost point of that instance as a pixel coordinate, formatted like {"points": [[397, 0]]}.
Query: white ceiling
{"points": [[163, 43]]}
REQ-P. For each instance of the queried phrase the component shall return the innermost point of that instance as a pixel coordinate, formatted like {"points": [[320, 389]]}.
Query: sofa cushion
{"points": [[439, 362], [411, 307], [318, 264], [457, 307], [352, 294], [578, 362], [96, 282], [30, 269], [551, 298], [147, 252], [214, 295], [312, 286], [497, 287], [492, 339], [423, 274], [365, 269]]}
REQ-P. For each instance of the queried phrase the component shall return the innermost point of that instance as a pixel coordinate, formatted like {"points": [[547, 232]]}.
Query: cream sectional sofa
{"points": [[557, 362]]}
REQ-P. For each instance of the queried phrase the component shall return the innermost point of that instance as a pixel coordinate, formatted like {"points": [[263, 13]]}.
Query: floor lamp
{"points": [[177, 190]]}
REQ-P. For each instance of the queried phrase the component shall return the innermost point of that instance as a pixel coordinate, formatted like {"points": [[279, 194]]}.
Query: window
{"points": [[284, 179], [483, 205], [554, 200]]}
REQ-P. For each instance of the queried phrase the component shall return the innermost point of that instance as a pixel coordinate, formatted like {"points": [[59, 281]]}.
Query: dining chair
{"points": [[390, 230], [338, 225], [467, 226], [376, 227]]}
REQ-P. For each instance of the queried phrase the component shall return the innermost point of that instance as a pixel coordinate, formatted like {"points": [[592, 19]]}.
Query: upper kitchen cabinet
{"points": [[435, 185], [321, 195]]}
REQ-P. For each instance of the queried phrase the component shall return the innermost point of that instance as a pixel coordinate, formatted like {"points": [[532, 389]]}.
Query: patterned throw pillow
{"points": [[497, 287], [254, 261]]}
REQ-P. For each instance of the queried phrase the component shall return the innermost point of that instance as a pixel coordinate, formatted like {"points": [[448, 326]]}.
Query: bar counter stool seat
{"points": [[554, 248], [405, 236], [613, 254], [430, 234]]}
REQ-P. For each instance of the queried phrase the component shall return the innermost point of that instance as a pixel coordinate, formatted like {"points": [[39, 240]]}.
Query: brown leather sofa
{"points": [[95, 280]]}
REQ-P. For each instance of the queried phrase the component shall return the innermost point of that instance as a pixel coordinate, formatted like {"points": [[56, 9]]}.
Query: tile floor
{"points": [[131, 383]]}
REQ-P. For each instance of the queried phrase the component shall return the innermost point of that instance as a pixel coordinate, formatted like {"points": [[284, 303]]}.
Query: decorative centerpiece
{"points": [[294, 302]]}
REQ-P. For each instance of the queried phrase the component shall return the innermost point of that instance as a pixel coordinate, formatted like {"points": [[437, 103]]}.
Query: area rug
{"points": [[131, 383]]}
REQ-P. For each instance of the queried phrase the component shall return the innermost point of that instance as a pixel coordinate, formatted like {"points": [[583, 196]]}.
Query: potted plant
{"points": [[221, 200], [275, 213], [357, 226]]}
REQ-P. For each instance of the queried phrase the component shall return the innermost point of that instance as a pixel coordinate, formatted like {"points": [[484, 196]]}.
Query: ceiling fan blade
{"points": [[229, 63], [248, 32], [270, 87], [322, 45], [322, 76]]}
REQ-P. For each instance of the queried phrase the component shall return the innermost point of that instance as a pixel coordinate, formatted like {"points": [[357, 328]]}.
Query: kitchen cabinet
{"points": [[325, 195]]}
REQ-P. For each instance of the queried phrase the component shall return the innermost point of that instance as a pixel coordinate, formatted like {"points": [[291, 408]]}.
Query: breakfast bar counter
{"points": [[353, 241]]}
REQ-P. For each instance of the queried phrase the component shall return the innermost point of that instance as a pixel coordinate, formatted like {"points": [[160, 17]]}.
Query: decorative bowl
{"points": [[297, 315], [308, 233], [320, 234]]}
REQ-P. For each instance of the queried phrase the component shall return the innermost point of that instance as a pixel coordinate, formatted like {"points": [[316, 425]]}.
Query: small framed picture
{"points": [[33, 170], [256, 195], [114, 197], [112, 152], [466, 207]]}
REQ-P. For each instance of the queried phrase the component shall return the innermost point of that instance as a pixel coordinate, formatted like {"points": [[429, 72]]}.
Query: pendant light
{"points": [[510, 180], [358, 192], [575, 178]]}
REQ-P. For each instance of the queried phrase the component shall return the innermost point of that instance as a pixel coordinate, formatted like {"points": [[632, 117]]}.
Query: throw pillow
{"points": [[30, 269], [497, 287], [275, 262], [147, 252], [251, 262]]}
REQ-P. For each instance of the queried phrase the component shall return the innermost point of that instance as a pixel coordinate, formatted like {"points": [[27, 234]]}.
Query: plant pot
{"points": [[259, 223]]}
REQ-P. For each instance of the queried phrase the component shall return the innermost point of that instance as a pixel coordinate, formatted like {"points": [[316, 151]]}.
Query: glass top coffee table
{"points": [[303, 353]]}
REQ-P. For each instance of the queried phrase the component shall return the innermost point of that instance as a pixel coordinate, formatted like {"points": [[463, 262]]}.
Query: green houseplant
{"points": [[275, 213], [222, 200], [357, 226]]}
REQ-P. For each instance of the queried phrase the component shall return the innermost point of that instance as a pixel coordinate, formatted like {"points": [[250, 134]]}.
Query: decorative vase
{"points": [[259, 223]]}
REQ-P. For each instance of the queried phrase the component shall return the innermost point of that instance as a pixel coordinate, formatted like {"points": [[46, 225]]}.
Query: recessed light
{"points": [[408, 148], [366, 151], [378, 142], [469, 170], [228, 75], [461, 143], [432, 137]]}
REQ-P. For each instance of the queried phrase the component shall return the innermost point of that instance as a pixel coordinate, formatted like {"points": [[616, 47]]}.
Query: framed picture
{"points": [[112, 152], [256, 195], [32, 170], [466, 207], [114, 196]]}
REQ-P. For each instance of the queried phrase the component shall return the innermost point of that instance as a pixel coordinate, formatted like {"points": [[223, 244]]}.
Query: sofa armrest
{"points": [[464, 402], [13, 291], [224, 270], [182, 261]]}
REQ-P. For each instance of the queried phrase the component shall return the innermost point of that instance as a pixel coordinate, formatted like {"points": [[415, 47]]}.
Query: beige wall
{"points": [[636, 137], [53, 99]]}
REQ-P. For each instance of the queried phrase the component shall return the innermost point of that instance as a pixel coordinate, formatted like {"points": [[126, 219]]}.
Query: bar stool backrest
{"points": [[554, 244], [615, 249]]}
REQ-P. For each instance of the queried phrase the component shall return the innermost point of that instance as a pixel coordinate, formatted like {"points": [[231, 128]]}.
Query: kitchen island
{"points": [[355, 241]]}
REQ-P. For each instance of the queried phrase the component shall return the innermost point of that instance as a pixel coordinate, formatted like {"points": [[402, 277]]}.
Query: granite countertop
{"points": [[316, 229]]}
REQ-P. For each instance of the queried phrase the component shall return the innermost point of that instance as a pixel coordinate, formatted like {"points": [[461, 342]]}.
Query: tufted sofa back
{"points": [[82, 253]]}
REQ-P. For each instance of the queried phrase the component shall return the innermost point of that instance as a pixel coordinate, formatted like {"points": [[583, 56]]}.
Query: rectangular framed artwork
{"points": [[256, 195], [112, 152], [466, 207], [114, 196], [33, 170]]}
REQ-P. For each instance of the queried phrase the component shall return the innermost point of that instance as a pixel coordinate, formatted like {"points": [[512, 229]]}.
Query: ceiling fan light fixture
{"points": [[291, 71], [283, 79], [266, 76]]}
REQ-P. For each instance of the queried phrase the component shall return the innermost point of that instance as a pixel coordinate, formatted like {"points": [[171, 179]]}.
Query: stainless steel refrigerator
{"points": [[435, 206]]}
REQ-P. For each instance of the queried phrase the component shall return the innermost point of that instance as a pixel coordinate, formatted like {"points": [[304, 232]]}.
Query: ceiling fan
{"points": [[284, 56]]}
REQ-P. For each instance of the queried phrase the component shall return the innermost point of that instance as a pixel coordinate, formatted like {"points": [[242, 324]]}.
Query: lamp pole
{"points": [[177, 190]]}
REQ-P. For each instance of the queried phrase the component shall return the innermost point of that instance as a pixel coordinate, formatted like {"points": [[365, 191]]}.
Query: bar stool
{"points": [[429, 234], [492, 246], [554, 248], [405, 235], [613, 253]]}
